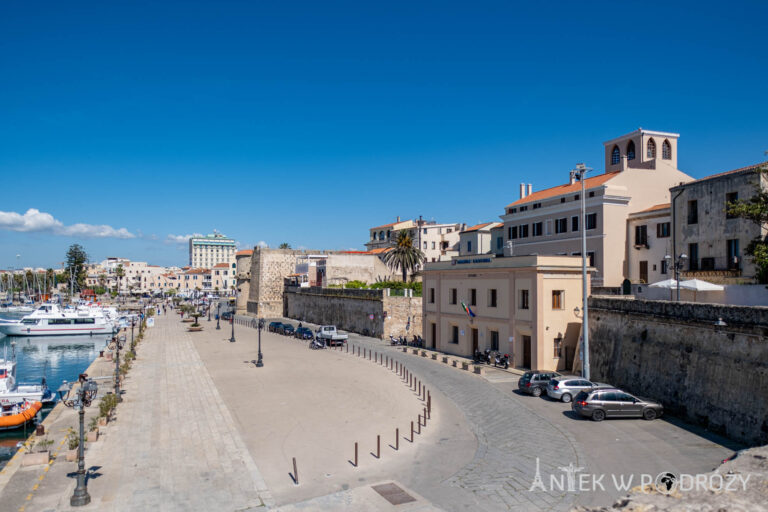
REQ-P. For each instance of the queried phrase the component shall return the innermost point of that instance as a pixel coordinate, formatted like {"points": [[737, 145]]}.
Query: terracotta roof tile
{"points": [[221, 265], [656, 207], [478, 227], [567, 188], [244, 252]]}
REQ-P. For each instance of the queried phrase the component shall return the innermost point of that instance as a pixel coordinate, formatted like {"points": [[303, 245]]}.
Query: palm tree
{"points": [[404, 256], [119, 272], [284, 245]]}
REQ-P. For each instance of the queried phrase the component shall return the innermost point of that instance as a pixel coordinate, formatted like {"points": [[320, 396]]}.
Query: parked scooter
{"points": [[500, 360], [482, 357], [316, 344]]}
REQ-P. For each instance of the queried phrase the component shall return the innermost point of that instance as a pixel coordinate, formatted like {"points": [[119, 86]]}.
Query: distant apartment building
{"points": [[223, 277], [522, 305], [438, 242], [481, 239], [138, 276], [713, 241], [649, 242], [207, 251], [640, 168]]}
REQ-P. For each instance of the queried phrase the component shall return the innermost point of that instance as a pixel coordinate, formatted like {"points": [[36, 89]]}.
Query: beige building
{"points": [[649, 241], [243, 279], [641, 166], [207, 251], [483, 238], [223, 278], [438, 242], [714, 242], [524, 306]]}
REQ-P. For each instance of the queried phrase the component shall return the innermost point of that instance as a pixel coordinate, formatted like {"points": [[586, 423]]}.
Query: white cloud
{"points": [[36, 221], [179, 239], [262, 243]]}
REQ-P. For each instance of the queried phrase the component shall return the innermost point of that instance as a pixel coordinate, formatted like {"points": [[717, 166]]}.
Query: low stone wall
{"points": [[715, 376], [354, 310]]}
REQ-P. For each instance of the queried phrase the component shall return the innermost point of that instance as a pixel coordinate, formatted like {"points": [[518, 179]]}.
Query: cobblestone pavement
{"points": [[151, 460]]}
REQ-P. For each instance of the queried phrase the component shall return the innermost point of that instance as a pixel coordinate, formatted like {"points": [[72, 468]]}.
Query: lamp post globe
{"points": [[82, 399]]}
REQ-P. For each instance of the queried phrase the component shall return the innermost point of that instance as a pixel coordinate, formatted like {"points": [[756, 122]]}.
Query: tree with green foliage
{"points": [[119, 273], [75, 265], [755, 209], [404, 256], [284, 245]]}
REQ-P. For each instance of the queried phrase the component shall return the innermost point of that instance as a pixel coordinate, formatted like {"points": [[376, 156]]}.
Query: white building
{"points": [[207, 251], [438, 242]]}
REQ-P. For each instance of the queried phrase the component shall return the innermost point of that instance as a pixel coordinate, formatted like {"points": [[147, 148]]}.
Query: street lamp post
{"points": [[209, 310], [579, 172], [218, 315], [116, 344], [133, 344], [260, 362], [232, 321], [83, 398], [678, 266]]}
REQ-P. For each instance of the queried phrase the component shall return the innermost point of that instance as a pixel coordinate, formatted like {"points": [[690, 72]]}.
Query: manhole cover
{"points": [[393, 494]]}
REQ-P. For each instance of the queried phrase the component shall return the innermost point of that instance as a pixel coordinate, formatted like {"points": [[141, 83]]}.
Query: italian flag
{"points": [[467, 310]]}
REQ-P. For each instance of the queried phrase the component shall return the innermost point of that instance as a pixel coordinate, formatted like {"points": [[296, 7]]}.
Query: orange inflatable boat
{"points": [[15, 416]]}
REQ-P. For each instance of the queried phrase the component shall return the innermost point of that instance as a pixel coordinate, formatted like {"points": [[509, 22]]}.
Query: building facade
{"points": [[649, 242], [713, 241], [438, 242], [641, 166], [243, 279], [523, 306], [483, 238], [207, 251]]}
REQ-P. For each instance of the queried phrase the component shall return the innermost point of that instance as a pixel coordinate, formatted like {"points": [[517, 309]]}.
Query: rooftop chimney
{"points": [[522, 190], [530, 189], [573, 178], [398, 218]]}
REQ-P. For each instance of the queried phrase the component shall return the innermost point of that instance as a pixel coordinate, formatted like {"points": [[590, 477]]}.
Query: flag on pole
{"points": [[468, 311]]}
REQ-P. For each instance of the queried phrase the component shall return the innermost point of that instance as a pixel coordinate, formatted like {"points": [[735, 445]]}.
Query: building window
{"points": [[523, 299], [431, 295], [615, 155], [561, 225], [455, 334], [425, 245], [666, 150], [512, 232], [537, 228], [473, 297], [651, 153], [499, 242], [631, 150], [524, 231], [469, 245], [575, 223], [663, 267], [557, 299], [494, 340], [662, 230], [591, 258], [492, 298], [576, 197], [536, 206], [707, 263], [523, 208], [562, 199], [452, 298], [592, 194], [591, 221], [641, 236], [433, 246], [693, 212], [558, 348], [693, 256], [730, 197], [733, 253]]}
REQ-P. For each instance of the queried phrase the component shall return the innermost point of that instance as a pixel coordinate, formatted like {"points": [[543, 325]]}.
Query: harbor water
{"points": [[57, 358]]}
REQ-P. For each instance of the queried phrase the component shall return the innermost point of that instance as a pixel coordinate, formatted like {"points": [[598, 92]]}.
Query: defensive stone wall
{"points": [[368, 312], [673, 352]]}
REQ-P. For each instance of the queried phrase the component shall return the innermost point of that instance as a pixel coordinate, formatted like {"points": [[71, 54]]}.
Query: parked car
{"points": [[304, 333], [274, 326], [602, 403], [535, 382], [227, 315], [287, 329], [565, 388], [330, 335]]}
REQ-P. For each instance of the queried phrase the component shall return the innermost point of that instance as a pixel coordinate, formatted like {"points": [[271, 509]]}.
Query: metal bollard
{"points": [[397, 439], [295, 472], [429, 404], [411, 431], [425, 416], [419, 388], [355, 453], [419, 431], [378, 446]]}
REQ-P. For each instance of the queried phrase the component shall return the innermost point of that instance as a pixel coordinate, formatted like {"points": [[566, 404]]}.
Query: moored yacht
{"points": [[51, 320], [12, 392]]}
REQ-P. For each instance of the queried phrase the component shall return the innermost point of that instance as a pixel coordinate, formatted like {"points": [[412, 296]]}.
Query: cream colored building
{"points": [[207, 251], [438, 242], [223, 278], [524, 306], [640, 168], [649, 240], [481, 239], [243, 277]]}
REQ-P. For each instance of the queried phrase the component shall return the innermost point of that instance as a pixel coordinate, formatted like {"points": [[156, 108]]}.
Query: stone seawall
{"points": [[712, 375], [369, 312]]}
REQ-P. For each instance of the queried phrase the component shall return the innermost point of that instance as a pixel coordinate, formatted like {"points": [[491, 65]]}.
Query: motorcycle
{"points": [[500, 360], [482, 357], [395, 341], [316, 344]]}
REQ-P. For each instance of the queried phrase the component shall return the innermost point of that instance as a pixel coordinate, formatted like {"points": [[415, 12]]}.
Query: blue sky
{"points": [[128, 125]]}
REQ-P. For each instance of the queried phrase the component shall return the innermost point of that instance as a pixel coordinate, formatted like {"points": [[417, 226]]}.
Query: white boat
{"points": [[51, 320], [12, 392]]}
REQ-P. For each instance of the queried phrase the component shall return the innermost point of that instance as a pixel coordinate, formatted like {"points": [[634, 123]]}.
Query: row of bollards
{"points": [[414, 384]]}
